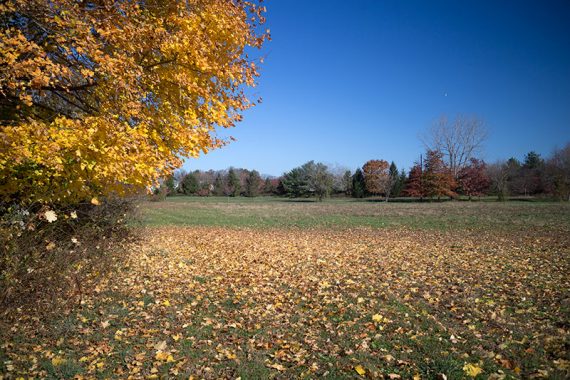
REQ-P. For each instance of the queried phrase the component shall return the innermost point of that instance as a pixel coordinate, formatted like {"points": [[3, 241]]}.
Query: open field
{"points": [[273, 212], [269, 288]]}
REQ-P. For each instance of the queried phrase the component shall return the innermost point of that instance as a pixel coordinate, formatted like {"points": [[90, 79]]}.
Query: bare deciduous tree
{"points": [[459, 140], [498, 174]]}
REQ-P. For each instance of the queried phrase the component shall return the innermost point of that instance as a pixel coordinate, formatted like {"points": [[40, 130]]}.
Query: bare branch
{"points": [[459, 139]]}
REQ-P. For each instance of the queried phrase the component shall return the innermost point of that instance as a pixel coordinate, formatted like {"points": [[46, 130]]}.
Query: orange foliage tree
{"points": [[377, 177], [104, 97], [414, 185], [437, 178]]}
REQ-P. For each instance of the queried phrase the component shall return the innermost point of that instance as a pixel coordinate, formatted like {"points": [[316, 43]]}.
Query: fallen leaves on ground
{"points": [[286, 303]]}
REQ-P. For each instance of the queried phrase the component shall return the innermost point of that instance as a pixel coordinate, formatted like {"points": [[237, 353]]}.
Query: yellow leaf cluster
{"points": [[360, 370], [472, 370], [105, 100]]}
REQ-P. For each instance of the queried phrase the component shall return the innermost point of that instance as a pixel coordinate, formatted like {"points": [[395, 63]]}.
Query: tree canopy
{"points": [[106, 97]]}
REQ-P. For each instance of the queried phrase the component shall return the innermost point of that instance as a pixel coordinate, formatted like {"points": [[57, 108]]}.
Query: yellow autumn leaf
{"points": [[161, 355], [472, 370], [231, 356], [95, 201], [57, 361], [277, 366], [360, 370], [166, 303], [377, 318], [164, 356]]}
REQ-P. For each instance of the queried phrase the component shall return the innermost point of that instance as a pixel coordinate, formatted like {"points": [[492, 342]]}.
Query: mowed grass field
{"points": [[268, 288], [275, 212]]}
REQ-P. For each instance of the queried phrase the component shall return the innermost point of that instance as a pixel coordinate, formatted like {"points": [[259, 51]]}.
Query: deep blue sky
{"points": [[348, 81]]}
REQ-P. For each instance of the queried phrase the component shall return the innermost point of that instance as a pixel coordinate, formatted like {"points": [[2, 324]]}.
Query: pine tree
{"points": [[233, 183], [358, 184], [401, 183], [190, 184], [219, 188], [397, 180], [252, 184]]}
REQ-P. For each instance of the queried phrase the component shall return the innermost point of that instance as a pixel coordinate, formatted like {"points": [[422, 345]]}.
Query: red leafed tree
{"points": [[437, 178], [472, 178], [377, 177], [414, 186]]}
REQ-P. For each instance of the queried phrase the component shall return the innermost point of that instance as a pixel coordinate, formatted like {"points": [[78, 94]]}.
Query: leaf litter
{"points": [[209, 303]]}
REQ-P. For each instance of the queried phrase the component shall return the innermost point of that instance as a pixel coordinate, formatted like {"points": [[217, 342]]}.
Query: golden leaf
{"points": [[472, 370], [360, 370]]}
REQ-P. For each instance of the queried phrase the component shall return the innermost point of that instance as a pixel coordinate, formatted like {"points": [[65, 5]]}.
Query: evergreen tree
{"points": [[399, 190], [309, 179], [219, 185], [169, 183], [190, 184], [294, 183], [252, 184], [233, 183], [397, 180], [358, 184], [532, 160], [532, 174]]}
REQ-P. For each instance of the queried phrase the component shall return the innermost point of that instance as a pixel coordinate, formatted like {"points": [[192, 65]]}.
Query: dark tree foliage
{"points": [[310, 179], [358, 184], [233, 183], [252, 184], [558, 173], [294, 183], [169, 183], [219, 187], [398, 180], [268, 187], [190, 184]]}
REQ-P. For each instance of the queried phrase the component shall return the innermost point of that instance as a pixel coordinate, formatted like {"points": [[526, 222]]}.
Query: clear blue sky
{"points": [[348, 81]]}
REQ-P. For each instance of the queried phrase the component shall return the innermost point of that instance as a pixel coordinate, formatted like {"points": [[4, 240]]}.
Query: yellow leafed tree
{"points": [[104, 97]]}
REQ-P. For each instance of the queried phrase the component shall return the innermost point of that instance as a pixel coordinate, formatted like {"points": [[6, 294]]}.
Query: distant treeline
{"points": [[429, 178]]}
